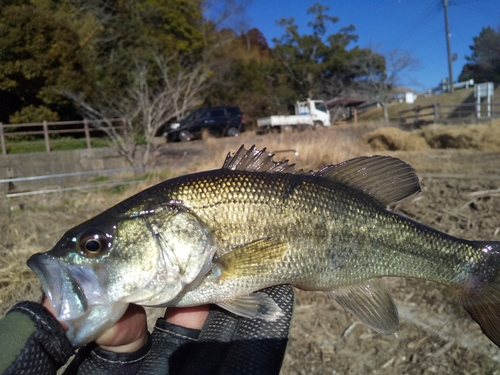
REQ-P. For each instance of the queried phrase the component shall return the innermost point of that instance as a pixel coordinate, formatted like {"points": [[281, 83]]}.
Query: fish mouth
{"points": [[60, 285], [76, 294]]}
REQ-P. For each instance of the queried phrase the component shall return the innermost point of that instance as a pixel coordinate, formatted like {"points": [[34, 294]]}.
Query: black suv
{"points": [[218, 121]]}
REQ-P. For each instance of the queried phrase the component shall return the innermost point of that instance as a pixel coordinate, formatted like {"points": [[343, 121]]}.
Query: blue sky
{"points": [[409, 25]]}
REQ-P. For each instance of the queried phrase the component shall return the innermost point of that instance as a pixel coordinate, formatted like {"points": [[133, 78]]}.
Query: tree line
{"points": [[152, 61]]}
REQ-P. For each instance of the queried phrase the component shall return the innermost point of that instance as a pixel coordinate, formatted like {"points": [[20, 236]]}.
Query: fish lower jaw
{"points": [[90, 326]]}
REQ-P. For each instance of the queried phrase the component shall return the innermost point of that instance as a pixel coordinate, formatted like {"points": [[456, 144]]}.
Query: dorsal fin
{"points": [[254, 160], [385, 178]]}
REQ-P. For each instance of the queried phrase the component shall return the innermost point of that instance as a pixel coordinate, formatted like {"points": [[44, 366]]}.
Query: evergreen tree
{"points": [[484, 62], [40, 55]]}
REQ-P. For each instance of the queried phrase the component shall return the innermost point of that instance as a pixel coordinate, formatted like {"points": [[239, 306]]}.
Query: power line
{"points": [[448, 47], [422, 19]]}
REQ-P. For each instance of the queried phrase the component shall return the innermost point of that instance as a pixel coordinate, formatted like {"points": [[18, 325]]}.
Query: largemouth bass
{"points": [[220, 236]]}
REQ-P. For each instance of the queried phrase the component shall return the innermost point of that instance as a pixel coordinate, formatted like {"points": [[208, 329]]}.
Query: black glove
{"points": [[32, 341], [227, 344]]}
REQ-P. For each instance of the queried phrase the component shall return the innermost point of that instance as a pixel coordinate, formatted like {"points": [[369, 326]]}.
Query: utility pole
{"points": [[447, 27]]}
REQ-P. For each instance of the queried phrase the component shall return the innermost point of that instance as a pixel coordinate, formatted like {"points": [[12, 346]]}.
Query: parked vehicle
{"points": [[309, 113], [217, 121]]}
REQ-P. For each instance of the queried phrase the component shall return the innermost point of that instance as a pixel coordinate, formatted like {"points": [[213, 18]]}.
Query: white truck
{"points": [[307, 114]]}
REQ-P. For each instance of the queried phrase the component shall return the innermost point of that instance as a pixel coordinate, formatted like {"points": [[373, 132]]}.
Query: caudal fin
{"points": [[480, 295]]}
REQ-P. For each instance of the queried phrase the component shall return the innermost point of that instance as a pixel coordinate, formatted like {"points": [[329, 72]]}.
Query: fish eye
{"points": [[93, 243]]}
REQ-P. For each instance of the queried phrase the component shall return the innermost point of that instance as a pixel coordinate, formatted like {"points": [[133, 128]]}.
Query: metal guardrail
{"points": [[60, 178]]}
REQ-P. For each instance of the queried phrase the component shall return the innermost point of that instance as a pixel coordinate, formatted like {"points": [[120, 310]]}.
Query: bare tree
{"points": [[378, 75], [147, 106]]}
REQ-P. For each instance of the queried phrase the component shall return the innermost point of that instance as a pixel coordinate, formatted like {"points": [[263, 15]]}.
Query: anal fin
{"points": [[371, 303]]}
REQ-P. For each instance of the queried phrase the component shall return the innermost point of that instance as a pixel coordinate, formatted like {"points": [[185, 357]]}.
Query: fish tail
{"points": [[480, 293]]}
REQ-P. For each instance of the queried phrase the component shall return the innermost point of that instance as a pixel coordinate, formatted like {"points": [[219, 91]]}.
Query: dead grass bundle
{"points": [[470, 137], [393, 139], [476, 137]]}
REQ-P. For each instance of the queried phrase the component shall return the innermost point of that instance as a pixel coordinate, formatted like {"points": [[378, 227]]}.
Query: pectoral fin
{"points": [[256, 258], [371, 303], [256, 305]]}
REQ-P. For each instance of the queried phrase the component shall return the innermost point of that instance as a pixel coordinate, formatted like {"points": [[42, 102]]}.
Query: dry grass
{"points": [[315, 148], [458, 96], [469, 137]]}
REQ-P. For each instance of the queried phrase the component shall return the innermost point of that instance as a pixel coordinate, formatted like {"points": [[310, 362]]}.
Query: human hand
{"points": [[197, 340], [130, 332]]}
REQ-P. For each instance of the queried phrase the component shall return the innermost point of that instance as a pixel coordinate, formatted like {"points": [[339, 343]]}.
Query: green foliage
{"points": [[88, 48], [315, 63], [116, 57], [39, 56], [30, 114], [132, 33], [484, 62]]}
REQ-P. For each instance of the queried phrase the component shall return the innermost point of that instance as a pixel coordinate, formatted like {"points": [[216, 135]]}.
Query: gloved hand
{"points": [[34, 342], [227, 344]]}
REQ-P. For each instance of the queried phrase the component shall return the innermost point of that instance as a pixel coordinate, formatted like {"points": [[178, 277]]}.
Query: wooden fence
{"points": [[441, 112], [45, 128]]}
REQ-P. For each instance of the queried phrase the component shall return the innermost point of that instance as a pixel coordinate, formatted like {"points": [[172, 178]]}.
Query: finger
{"points": [[128, 334], [190, 317], [46, 303]]}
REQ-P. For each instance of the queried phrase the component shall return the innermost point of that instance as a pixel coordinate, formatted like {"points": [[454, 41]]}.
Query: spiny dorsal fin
{"points": [[371, 303], [254, 160], [385, 178]]}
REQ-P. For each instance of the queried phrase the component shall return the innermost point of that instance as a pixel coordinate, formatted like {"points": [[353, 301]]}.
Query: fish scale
{"points": [[310, 223], [220, 236]]}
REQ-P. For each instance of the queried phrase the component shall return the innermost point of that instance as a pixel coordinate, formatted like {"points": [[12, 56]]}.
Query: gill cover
{"points": [[186, 248]]}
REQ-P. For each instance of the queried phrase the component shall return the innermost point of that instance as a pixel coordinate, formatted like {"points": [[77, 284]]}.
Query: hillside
{"points": [[459, 96]]}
